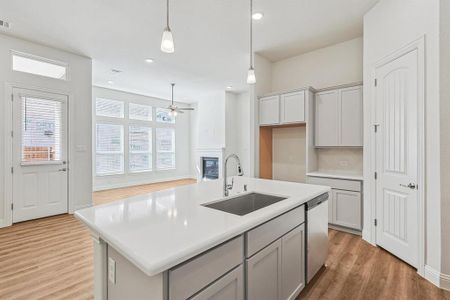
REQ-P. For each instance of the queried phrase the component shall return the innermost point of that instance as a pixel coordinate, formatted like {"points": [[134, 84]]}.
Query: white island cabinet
{"points": [[168, 246]]}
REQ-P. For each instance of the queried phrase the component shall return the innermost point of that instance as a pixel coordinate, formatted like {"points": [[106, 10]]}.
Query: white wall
{"points": [[334, 65], [390, 25], [78, 87], [444, 109], [182, 144], [243, 105]]}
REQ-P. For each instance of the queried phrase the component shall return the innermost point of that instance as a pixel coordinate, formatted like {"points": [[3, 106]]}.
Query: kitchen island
{"points": [[168, 245]]}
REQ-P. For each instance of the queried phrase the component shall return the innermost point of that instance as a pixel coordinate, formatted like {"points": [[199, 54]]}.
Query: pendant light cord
{"points": [[251, 34], [172, 91], [167, 14]]}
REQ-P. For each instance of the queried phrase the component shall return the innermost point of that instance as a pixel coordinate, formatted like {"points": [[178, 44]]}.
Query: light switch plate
{"points": [[111, 270]]}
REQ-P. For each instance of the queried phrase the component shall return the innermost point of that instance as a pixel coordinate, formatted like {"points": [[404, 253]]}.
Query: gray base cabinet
{"points": [[264, 273], [278, 271], [229, 287], [293, 263]]}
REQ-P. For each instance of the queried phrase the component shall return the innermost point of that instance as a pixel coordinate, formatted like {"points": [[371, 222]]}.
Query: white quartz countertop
{"points": [[337, 174], [159, 230]]}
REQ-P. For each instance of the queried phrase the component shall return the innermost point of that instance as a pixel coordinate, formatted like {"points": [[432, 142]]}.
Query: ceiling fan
{"points": [[174, 110]]}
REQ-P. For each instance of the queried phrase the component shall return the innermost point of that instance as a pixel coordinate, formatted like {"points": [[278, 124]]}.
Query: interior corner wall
{"points": [[444, 109], [388, 26], [182, 145], [79, 89], [330, 66], [263, 85]]}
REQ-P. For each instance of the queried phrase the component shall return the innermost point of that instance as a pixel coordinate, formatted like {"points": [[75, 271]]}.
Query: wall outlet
{"points": [[111, 270]]}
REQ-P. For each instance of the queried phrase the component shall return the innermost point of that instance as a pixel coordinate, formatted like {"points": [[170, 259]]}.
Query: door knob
{"points": [[412, 186]]}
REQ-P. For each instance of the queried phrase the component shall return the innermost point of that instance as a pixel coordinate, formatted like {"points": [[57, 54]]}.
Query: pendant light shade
{"points": [[251, 77], [167, 44]]}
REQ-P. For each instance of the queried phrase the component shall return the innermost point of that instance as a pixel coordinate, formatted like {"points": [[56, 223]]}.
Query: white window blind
{"points": [[109, 149], [140, 148], [41, 130], [163, 116], [140, 112], [38, 66], [165, 148], [109, 108]]}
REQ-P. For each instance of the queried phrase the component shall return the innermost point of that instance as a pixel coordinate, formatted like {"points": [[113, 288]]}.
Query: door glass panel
{"points": [[41, 130]]}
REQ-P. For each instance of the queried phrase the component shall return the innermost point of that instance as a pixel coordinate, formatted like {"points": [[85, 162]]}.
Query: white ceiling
{"points": [[211, 37]]}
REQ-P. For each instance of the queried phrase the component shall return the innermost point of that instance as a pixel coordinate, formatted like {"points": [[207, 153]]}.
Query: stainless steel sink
{"points": [[242, 205]]}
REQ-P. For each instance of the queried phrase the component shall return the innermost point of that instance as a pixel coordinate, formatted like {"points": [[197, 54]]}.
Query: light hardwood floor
{"points": [[51, 258]]}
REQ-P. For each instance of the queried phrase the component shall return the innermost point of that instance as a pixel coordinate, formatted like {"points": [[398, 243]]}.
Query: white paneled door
{"points": [[397, 155], [39, 154]]}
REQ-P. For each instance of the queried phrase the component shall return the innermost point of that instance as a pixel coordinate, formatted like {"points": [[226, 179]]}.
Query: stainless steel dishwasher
{"points": [[317, 234]]}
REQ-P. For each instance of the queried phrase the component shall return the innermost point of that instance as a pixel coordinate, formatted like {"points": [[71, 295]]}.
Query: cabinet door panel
{"points": [[269, 110], [293, 107], [327, 126], [347, 209], [351, 120], [293, 263], [264, 273], [229, 287]]}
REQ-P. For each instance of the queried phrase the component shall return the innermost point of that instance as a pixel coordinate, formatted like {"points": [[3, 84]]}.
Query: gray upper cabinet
{"points": [[293, 107], [339, 119], [269, 110], [281, 109], [351, 117], [327, 109]]}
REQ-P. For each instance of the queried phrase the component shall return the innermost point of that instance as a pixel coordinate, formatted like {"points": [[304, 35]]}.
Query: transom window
{"points": [[127, 135], [31, 64]]}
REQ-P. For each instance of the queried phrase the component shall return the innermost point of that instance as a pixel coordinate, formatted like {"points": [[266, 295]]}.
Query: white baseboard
{"points": [[71, 211], [344, 229], [437, 278]]}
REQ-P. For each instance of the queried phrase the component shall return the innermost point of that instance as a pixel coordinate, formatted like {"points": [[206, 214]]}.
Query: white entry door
{"points": [[39, 154], [397, 154]]}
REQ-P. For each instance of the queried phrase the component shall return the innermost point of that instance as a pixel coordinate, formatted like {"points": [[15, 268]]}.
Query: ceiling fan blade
{"points": [[186, 108], [179, 111]]}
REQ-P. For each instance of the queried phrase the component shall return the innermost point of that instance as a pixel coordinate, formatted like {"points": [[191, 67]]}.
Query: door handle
{"points": [[62, 170], [410, 185]]}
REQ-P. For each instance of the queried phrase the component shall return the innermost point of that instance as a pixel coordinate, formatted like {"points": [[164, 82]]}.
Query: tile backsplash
{"points": [[337, 159]]}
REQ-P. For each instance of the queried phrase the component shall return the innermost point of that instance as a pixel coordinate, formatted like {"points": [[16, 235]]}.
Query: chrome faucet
{"points": [[228, 187]]}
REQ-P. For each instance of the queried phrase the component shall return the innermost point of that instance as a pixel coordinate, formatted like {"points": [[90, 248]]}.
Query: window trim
{"points": [[41, 59]]}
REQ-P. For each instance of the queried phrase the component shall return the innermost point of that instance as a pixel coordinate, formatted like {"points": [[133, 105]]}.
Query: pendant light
{"points": [[167, 44], [251, 78]]}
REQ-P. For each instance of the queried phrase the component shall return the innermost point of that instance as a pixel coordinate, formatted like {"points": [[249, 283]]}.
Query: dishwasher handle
{"points": [[316, 201]]}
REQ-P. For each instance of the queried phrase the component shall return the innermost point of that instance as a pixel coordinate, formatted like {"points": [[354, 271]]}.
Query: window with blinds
{"points": [[140, 148], [128, 134], [41, 130], [140, 112], [109, 149], [109, 108], [165, 148]]}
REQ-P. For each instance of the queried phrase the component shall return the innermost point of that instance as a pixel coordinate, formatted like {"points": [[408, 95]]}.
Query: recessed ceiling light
{"points": [[149, 60], [257, 16], [110, 82], [229, 87]]}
